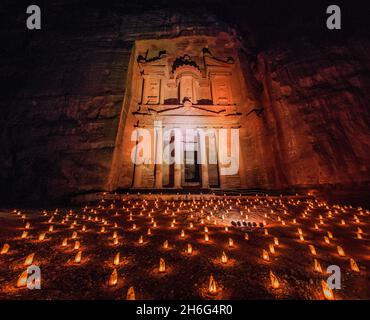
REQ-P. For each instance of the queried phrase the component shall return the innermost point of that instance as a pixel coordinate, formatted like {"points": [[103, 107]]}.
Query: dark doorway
{"points": [[192, 168]]}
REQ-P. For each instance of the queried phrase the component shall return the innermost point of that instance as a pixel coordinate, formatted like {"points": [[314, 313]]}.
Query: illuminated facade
{"points": [[177, 85]]}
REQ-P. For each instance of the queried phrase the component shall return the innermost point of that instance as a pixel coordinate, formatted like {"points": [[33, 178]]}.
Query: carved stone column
{"points": [[158, 154], [204, 161]]}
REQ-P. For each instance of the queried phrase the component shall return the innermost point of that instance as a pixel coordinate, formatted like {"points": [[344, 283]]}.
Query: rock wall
{"points": [[64, 91], [316, 121]]}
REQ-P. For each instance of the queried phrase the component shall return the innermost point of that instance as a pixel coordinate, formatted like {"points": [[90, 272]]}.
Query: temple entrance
{"points": [[192, 168]]}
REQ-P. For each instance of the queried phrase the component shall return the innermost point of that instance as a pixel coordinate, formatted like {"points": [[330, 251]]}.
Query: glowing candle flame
{"points": [[65, 242], [78, 257], [212, 286], [265, 255], [354, 266], [165, 244], [312, 249], [149, 232], [116, 259], [205, 229], [162, 265], [317, 266], [51, 228], [246, 237], [328, 293], [24, 234], [5, 249], [276, 241], [274, 281], [206, 237], [182, 235], [42, 236], [330, 235], [341, 251], [74, 235], [77, 245], [326, 239], [300, 231], [113, 278], [134, 226], [22, 279], [271, 248], [29, 259], [189, 249], [301, 237], [130, 294], [224, 257], [231, 243], [141, 239], [266, 232], [27, 226]]}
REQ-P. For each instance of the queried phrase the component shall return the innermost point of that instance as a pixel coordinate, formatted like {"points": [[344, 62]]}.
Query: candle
{"points": [[271, 248], [312, 249], [231, 243], [29, 259], [130, 294], [212, 286], [317, 266], [22, 279], [328, 293], [5, 249], [189, 249], [224, 257], [341, 251], [162, 265], [165, 244], [113, 279], [78, 257], [354, 266], [274, 281], [116, 259]]}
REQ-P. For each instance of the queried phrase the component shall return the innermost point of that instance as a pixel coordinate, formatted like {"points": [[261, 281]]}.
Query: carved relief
{"points": [[174, 80]]}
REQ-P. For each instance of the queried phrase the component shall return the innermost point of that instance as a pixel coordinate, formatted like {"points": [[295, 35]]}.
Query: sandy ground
{"points": [[246, 275]]}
